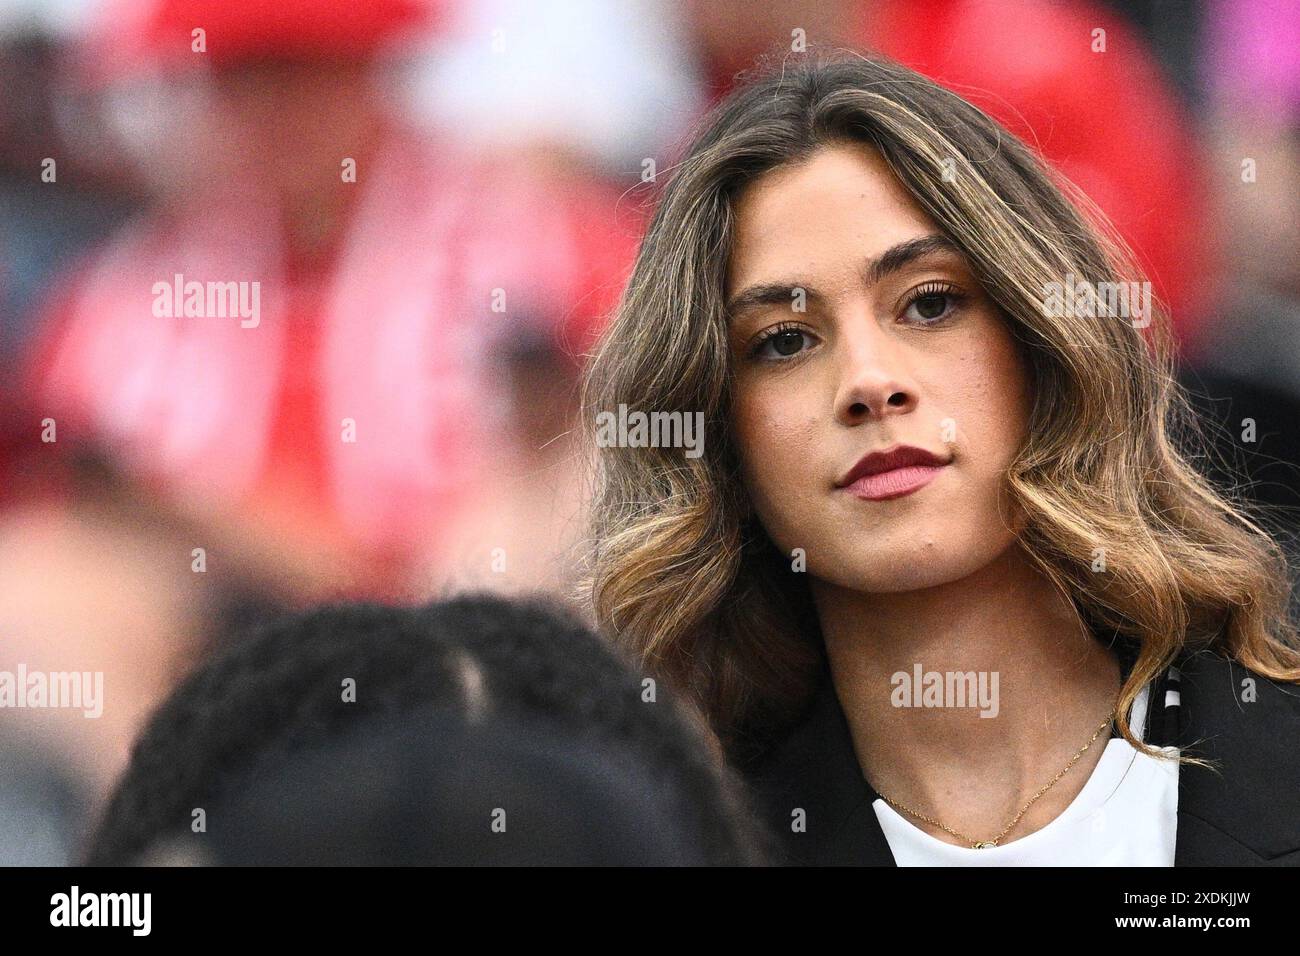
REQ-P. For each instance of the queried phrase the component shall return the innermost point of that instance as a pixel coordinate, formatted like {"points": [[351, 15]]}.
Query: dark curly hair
{"points": [[505, 662]]}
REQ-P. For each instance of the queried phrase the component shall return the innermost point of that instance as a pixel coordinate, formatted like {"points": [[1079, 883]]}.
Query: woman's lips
{"points": [[894, 483]]}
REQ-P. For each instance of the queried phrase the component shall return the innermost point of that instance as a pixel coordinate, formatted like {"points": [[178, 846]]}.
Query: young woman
{"points": [[941, 576]]}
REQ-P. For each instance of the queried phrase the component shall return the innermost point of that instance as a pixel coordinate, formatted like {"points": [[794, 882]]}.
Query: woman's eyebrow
{"points": [[769, 293], [892, 260], [904, 254]]}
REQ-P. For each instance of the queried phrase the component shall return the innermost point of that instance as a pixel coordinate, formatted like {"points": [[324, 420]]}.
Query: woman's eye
{"points": [[782, 344], [930, 307]]}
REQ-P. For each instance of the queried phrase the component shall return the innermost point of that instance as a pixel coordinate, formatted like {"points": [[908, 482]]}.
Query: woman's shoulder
{"points": [[1211, 701], [1248, 726], [1218, 686]]}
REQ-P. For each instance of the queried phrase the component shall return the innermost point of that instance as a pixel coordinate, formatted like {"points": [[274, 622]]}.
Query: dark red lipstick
{"points": [[892, 472]]}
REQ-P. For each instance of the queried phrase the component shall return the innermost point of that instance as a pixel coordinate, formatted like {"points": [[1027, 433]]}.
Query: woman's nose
{"points": [[874, 381]]}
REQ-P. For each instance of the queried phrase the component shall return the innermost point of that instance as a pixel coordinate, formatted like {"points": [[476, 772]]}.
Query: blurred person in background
{"points": [[54, 202], [98, 582], [1251, 73], [419, 307], [471, 731], [94, 578]]}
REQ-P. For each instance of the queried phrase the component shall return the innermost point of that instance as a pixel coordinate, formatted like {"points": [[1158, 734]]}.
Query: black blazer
{"points": [[1248, 817]]}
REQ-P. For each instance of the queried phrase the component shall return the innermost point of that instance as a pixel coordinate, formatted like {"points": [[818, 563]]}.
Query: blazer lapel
{"points": [[812, 794]]}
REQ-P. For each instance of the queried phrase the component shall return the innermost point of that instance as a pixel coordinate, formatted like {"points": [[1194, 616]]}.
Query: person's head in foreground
{"points": [[927, 447], [472, 731]]}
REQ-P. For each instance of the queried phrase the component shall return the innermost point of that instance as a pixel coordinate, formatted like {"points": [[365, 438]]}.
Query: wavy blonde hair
{"points": [[679, 569]]}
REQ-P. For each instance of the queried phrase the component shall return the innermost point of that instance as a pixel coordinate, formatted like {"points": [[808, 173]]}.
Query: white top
{"points": [[1125, 815]]}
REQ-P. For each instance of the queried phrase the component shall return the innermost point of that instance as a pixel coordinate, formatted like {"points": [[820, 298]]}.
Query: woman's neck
{"points": [[1037, 683]]}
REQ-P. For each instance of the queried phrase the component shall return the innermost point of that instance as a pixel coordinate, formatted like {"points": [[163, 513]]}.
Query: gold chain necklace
{"points": [[985, 844]]}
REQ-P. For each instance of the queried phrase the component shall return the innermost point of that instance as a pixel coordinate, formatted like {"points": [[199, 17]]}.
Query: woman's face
{"points": [[855, 327]]}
